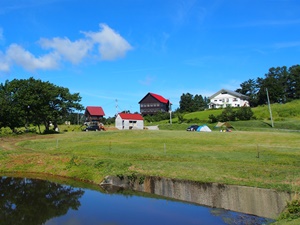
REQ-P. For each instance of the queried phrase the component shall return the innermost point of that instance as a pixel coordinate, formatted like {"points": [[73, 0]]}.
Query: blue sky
{"points": [[118, 51]]}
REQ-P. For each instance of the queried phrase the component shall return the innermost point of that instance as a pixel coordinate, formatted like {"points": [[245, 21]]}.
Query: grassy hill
{"points": [[285, 116]]}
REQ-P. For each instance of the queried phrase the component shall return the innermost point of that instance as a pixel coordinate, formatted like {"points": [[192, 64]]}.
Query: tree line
{"points": [[282, 83], [31, 101]]}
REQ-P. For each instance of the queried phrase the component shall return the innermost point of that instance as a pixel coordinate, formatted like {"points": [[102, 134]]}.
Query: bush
{"points": [[292, 210], [244, 113], [5, 131], [228, 114]]}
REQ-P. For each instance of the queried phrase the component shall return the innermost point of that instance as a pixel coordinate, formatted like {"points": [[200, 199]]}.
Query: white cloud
{"points": [[16, 54], [147, 81], [111, 44], [287, 44], [4, 64], [71, 51]]}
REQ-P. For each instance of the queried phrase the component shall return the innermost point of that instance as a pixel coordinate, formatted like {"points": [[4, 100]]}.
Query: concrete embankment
{"points": [[256, 201]]}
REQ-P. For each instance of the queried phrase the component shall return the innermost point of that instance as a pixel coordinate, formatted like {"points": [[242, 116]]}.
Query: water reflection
{"points": [[26, 201], [35, 202], [256, 201]]}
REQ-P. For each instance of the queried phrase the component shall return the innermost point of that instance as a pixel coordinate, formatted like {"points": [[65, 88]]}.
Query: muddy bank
{"points": [[256, 201]]}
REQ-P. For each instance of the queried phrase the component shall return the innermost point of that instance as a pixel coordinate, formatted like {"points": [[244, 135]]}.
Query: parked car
{"points": [[92, 128], [192, 128]]}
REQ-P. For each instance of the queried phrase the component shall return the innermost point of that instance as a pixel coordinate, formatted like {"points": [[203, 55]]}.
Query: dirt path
{"points": [[10, 142]]}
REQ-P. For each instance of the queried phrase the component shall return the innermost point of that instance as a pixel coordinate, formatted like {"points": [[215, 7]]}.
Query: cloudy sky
{"points": [[114, 52]]}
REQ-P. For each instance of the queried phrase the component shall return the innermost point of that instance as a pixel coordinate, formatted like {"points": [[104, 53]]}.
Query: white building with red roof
{"points": [[153, 103], [127, 121]]}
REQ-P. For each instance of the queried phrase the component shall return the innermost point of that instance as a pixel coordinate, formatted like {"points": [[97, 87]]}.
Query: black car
{"points": [[192, 128], [92, 128]]}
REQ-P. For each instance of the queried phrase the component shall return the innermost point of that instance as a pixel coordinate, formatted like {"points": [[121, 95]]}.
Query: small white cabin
{"points": [[224, 98], [127, 121]]}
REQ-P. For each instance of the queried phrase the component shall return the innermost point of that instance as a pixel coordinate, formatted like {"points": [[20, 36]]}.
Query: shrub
{"points": [[292, 210], [5, 131], [244, 113]]}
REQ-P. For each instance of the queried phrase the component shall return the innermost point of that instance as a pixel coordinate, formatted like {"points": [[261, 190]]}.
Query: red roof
{"points": [[159, 98], [129, 116], [95, 110]]}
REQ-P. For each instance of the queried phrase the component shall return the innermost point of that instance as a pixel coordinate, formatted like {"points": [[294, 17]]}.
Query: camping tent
{"points": [[225, 124], [203, 128]]}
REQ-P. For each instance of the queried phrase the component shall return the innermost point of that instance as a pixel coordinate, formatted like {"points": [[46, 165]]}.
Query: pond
{"points": [[35, 202]]}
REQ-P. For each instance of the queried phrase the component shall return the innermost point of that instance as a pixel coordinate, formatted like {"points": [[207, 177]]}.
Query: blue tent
{"points": [[203, 128]]}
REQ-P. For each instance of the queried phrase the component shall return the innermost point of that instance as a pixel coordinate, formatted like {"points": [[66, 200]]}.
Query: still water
{"points": [[35, 202]]}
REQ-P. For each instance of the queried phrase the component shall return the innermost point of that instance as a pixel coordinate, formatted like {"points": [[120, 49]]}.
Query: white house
{"points": [[224, 98], [126, 121]]}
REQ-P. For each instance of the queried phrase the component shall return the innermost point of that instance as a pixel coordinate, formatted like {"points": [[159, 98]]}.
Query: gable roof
{"points": [[157, 97], [129, 116], [95, 110], [233, 93]]}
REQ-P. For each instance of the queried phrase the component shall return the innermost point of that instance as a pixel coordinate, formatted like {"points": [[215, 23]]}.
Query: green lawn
{"points": [[260, 159]]}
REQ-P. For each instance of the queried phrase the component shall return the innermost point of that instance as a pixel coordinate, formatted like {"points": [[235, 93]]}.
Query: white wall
{"points": [[222, 100], [122, 124]]}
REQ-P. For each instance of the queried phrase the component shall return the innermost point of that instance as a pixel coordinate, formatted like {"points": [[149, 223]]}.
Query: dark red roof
{"points": [[95, 110], [159, 98], [129, 116]]}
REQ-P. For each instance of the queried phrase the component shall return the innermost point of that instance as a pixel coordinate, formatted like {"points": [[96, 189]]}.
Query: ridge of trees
{"points": [[283, 86]]}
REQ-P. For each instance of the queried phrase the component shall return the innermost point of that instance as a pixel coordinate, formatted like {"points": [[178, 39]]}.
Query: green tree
{"points": [[293, 91], [10, 114], [199, 103], [250, 89], [36, 102], [186, 103], [276, 81], [190, 103], [228, 114], [283, 86], [244, 113]]}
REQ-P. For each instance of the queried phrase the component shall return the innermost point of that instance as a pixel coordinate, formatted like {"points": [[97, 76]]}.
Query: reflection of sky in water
{"points": [[98, 208]]}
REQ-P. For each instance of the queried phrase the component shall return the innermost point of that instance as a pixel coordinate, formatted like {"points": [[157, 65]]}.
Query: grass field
{"points": [[259, 159], [254, 154]]}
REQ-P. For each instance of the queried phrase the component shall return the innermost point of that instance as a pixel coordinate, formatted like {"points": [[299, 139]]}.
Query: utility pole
{"points": [[269, 107], [170, 111], [116, 107]]}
